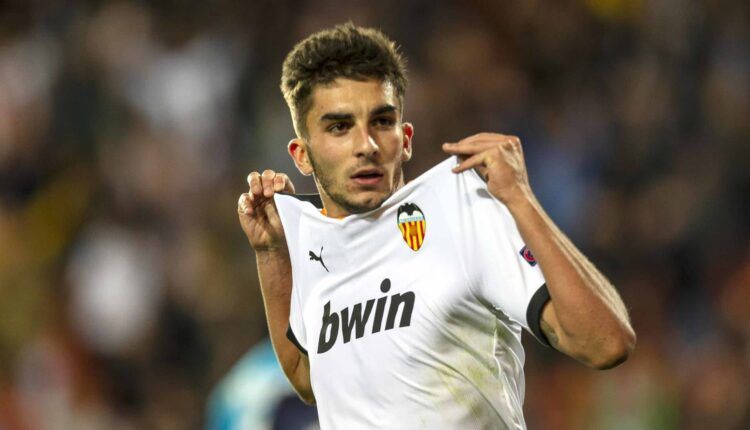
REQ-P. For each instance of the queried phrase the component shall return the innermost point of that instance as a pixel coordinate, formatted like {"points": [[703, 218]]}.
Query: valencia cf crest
{"points": [[412, 224]]}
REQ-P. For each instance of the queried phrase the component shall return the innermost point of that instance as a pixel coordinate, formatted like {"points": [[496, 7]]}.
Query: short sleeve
{"points": [[296, 332], [290, 333], [289, 209], [507, 276]]}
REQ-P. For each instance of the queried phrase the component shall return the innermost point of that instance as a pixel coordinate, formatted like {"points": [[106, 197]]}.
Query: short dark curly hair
{"points": [[345, 51]]}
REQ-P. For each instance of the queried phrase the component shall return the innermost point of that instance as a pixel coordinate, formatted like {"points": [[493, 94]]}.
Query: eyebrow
{"points": [[345, 116], [383, 109]]}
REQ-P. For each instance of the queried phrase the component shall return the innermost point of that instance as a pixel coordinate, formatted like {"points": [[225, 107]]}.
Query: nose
{"points": [[364, 143]]}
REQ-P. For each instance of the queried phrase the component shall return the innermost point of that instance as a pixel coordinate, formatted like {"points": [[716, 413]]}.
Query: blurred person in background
{"points": [[256, 395]]}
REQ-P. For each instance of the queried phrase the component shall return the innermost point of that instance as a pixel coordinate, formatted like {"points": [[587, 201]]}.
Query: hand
{"points": [[257, 211], [498, 158]]}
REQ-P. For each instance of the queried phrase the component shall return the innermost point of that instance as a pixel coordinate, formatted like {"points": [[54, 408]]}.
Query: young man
{"points": [[401, 306]]}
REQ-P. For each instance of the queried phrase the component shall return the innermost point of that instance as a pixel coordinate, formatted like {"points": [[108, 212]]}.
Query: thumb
{"points": [[244, 205]]}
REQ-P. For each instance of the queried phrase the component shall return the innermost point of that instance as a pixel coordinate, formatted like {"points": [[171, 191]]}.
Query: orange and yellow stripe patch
{"points": [[413, 233]]}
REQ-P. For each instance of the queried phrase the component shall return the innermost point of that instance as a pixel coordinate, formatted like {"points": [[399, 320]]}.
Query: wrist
{"points": [[519, 197], [271, 252]]}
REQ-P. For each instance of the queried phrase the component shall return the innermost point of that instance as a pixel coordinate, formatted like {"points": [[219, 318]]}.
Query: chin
{"points": [[367, 204]]}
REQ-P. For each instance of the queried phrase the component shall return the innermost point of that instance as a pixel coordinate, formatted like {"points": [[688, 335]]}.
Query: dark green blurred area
{"points": [[127, 289]]}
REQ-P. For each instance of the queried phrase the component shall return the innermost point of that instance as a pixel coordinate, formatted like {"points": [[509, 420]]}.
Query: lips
{"points": [[367, 176]]}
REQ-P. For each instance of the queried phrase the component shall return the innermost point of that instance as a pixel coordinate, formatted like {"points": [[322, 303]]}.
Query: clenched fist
{"points": [[257, 211], [499, 160]]}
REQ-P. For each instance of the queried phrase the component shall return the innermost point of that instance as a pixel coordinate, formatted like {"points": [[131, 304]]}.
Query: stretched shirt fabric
{"points": [[411, 314]]}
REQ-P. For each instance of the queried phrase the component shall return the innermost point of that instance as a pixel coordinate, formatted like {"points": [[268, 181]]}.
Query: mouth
{"points": [[368, 176]]}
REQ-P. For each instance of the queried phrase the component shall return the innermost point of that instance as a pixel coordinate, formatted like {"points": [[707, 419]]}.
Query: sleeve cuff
{"points": [[292, 338], [534, 314]]}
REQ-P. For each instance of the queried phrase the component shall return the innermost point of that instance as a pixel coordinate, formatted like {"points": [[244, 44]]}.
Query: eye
{"points": [[338, 127], [383, 122]]}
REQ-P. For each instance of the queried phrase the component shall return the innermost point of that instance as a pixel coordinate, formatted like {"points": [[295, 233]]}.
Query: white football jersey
{"points": [[411, 314]]}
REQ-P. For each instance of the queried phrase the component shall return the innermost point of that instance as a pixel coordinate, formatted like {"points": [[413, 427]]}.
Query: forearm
{"points": [[274, 272], [592, 318]]}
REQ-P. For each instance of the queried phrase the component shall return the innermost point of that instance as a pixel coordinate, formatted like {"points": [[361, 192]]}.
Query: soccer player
{"points": [[394, 305]]}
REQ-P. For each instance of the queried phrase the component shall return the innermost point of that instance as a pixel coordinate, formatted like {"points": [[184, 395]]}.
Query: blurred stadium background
{"points": [[128, 291]]}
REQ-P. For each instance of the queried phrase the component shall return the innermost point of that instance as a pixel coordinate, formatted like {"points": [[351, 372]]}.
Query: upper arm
{"points": [[299, 375], [550, 325], [301, 380], [575, 348], [557, 338]]}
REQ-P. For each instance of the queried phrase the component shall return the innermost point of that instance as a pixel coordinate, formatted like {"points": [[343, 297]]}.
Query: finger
{"points": [[272, 215], [253, 181], [482, 136], [498, 137], [471, 146], [282, 183], [481, 142], [477, 160], [516, 145], [244, 205], [278, 183], [288, 186], [267, 180], [488, 137], [514, 139]]}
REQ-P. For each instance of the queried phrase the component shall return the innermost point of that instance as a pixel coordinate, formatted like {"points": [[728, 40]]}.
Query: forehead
{"points": [[350, 96]]}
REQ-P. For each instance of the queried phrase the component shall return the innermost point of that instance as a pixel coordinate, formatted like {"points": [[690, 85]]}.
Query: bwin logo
{"points": [[355, 321]]}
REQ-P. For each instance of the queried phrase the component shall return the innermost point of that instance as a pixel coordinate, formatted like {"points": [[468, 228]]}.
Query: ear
{"points": [[408, 131], [297, 149]]}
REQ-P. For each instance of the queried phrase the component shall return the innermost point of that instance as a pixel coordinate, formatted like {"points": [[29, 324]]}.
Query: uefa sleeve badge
{"points": [[528, 256], [412, 224]]}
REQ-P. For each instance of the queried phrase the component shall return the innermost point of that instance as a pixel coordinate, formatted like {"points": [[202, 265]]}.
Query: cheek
{"points": [[329, 165], [394, 146]]}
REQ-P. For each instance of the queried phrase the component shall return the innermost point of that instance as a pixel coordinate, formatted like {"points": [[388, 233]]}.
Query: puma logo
{"points": [[316, 258]]}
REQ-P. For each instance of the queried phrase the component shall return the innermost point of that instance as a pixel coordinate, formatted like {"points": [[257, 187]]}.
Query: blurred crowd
{"points": [[127, 128]]}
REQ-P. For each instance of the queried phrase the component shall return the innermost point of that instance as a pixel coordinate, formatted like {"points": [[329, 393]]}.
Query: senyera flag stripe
{"points": [[412, 224]]}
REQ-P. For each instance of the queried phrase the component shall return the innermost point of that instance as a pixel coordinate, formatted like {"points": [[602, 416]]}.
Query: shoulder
{"points": [[313, 199], [298, 200], [442, 177], [455, 189]]}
